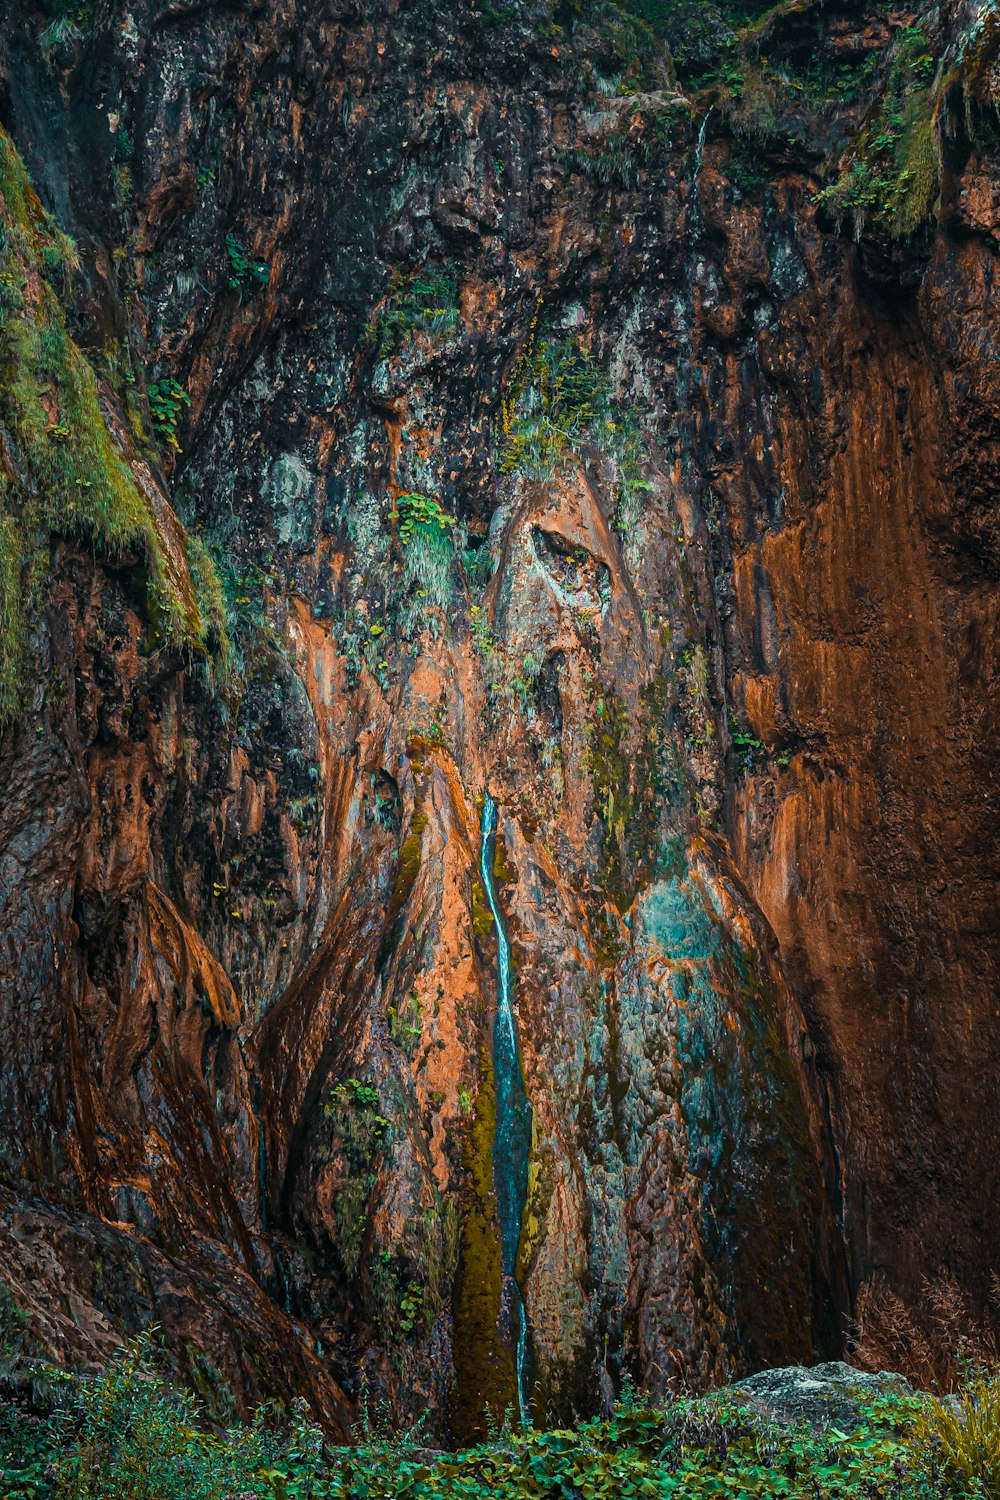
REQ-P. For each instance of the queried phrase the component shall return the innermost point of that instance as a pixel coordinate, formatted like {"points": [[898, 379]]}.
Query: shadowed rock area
{"points": [[590, 406]]}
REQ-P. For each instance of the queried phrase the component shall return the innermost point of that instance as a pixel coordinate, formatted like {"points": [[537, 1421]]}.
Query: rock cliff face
{"points": [[592, 406]]}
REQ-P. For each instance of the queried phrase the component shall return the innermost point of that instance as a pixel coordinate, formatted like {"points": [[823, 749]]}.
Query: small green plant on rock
{"points": [[246, 275], [167, 401], [360, 1131], [411, 1307], [63, 29], [406, 1022], [477, 562], [427, 302], [421, 513], [425, 531], [361, 1095], [481, 631], [751, 754]]}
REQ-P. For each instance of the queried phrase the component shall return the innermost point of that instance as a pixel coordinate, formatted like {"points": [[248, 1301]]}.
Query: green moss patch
{"points": [[482, 917], [406, 872], [62, 468], [485, 1381]]}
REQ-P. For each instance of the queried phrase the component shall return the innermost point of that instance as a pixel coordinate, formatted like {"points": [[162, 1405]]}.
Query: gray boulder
{"points": [[831, 1393]]}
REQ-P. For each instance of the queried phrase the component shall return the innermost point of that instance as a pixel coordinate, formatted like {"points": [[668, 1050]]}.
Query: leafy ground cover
{"points": [[129, 1435]]}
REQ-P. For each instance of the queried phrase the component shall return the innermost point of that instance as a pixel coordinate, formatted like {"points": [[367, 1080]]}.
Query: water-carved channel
{"points": [[512, 1140]]}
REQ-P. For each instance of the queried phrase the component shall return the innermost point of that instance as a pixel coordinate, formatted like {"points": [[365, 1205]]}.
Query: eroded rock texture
{"points": [[533, 427]]}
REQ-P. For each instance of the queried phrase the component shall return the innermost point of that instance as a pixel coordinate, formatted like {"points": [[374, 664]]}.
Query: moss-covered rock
{"points": [[66, 467]]}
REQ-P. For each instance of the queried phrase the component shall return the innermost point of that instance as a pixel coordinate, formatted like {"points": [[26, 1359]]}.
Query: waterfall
{"points": [[512, 1139], [699, 153]]}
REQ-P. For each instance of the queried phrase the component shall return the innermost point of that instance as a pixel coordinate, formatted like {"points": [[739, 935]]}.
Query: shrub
{"points": [[131, 1436], [28, 1449]]}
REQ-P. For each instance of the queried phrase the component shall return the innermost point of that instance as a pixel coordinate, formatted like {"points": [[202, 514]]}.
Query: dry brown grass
{"points": [[935, 1343]]}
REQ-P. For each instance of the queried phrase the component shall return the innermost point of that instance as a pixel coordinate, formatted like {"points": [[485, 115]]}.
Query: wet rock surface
{"points": [[536, 445]]}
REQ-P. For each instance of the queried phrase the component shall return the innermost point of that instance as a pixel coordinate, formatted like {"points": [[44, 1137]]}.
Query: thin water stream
{"points": [[512, 1139], [699, 155]]}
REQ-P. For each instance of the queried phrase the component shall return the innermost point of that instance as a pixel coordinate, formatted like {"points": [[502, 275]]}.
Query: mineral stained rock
{"points": [[591, 405]]}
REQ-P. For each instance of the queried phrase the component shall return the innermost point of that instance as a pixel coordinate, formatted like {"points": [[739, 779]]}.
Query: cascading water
{"points": [[512, 1140], [699, 153]]}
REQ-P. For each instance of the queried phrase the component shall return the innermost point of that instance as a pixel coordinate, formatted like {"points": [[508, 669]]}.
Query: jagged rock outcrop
{"points": [[500, 404]]}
